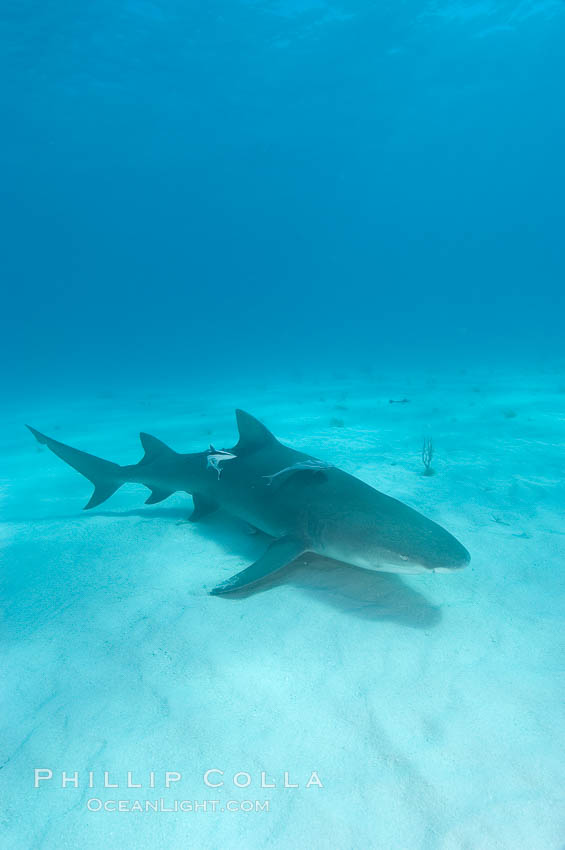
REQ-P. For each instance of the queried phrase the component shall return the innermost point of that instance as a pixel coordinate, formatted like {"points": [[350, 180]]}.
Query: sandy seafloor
{"points": [[430, 706]]}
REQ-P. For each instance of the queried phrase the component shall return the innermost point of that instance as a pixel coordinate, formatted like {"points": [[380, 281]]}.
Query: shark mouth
{"points": [[404, 569], [410, 568]]}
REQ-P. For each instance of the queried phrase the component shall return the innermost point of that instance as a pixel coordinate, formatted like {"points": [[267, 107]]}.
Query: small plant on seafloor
{"points": [[427, 455]]}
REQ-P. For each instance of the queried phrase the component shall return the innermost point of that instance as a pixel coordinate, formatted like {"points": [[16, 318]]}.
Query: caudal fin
{"points": [[105, 475]]}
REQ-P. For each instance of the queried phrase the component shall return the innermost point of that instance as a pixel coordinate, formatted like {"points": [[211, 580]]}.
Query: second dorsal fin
{"points": [[154, 448]]}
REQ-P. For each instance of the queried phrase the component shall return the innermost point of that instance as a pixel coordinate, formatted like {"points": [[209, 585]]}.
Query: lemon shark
{"points": [[305, 504]]}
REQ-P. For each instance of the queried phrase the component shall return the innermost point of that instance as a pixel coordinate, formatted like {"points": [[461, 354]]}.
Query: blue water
{"points": [[304, 208], [189, 186]]}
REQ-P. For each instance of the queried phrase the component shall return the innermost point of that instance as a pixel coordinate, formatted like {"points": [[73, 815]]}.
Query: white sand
{"points": [[430, 706]]}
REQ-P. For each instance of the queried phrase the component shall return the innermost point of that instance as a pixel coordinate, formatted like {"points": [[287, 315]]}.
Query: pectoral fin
{"points": [[278, 555]]}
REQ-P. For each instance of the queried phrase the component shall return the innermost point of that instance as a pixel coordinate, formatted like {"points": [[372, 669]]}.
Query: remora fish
{"points": [[218, 456], [335, 515], [313, 465]]}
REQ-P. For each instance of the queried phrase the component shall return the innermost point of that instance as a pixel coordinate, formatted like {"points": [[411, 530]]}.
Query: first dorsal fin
{"points": [[252, 433], [154, 448]]}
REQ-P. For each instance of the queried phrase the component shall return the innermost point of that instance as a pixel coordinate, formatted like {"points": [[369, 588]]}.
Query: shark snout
{"points": [[451, 561]]}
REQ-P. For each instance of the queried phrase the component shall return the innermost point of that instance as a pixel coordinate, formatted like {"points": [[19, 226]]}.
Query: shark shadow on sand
{"points": [[376, 596], [368, 595]]}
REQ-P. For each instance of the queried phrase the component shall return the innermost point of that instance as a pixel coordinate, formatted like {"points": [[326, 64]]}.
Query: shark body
{"points": [[330, 513]]}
